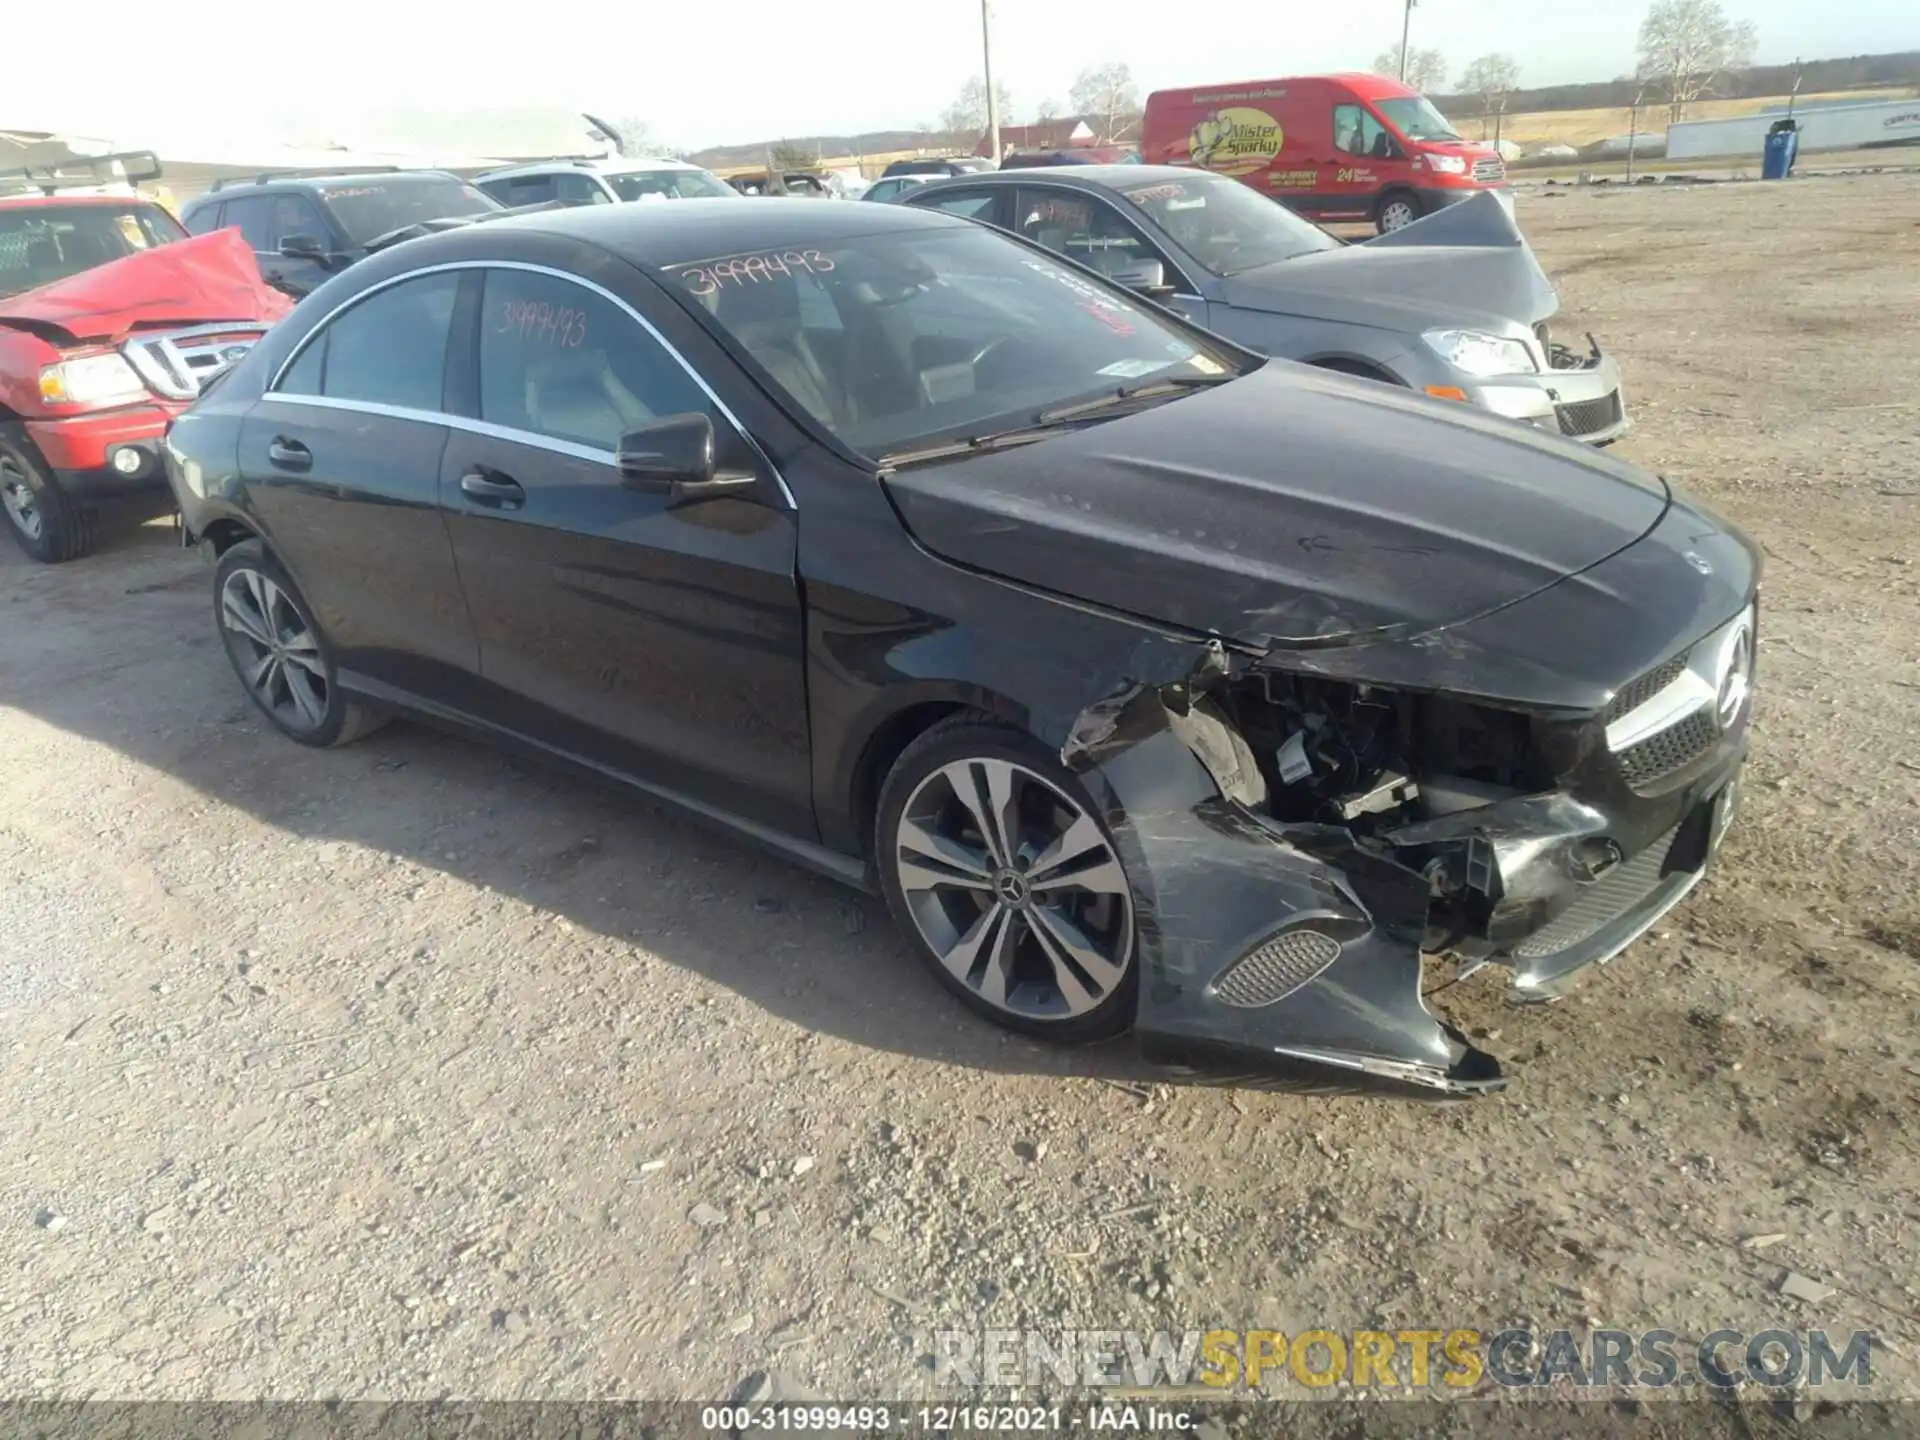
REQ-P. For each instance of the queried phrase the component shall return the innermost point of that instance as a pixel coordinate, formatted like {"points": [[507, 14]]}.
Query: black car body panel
{"points": [[1357, 528], [1167, 600]]}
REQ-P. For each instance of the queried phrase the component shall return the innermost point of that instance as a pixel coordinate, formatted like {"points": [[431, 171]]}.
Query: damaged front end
{"points": [[1303, 848]]}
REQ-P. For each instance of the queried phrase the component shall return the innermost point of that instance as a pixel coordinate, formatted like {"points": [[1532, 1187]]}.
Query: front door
{"points": [[661, 639]]}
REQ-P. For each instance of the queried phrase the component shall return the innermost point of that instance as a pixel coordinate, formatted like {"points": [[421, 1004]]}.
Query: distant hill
{"points": [[1854, 72], [872, 142]]}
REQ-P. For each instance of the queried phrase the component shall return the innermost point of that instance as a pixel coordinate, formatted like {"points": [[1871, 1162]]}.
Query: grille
{"points": [[1658, 756], [1636, 694], [1587, 417], [1601, 903], [179, 363], [1273, 971], [1489, 170]]}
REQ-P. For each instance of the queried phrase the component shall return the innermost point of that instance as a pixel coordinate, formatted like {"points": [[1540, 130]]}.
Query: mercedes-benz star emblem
{"points": [[1699, 562], [1736, 677]]}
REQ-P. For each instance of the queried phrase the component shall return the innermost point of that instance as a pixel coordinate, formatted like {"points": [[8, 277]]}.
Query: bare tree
{"points": [[1426, 69], [789, 155], [1046, 112], [1493, 78], [965, 120], [1687, 46], [636, 138], [1106, 93]]}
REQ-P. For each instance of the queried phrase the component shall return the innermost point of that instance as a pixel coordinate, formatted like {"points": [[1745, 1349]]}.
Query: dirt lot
{"points": [[408, 1070]]}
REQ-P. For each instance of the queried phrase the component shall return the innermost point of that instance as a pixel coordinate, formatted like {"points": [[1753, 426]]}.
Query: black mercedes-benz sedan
{"points": [[1152, 682]]}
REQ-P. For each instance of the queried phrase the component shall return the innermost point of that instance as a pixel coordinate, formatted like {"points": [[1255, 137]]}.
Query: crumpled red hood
{"points": [[202, 280]]}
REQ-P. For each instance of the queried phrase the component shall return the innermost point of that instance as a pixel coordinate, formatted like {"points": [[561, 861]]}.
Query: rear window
{"points": [[368, 209], [669, 185], [43, 243]]}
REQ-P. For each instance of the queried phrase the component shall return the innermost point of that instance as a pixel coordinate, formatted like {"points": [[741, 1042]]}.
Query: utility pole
{"points": [[986, 70], [1406, 32]]}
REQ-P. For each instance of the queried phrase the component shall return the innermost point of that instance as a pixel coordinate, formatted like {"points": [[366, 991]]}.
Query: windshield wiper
{"points": [[1139, 390], [1048, 421]]}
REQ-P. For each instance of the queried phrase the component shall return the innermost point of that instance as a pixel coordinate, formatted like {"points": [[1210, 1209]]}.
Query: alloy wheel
{"points": [[23, 508], [1015, 888], [1396, 215], [274, 650]]}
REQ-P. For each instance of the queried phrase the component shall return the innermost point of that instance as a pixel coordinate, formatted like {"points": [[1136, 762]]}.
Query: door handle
{"points": [[490, 487], [289, 454]]}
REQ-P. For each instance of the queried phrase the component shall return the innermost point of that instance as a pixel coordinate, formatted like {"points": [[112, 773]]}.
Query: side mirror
{"points": [[1149, 278], [302, 247], [675, 456]]}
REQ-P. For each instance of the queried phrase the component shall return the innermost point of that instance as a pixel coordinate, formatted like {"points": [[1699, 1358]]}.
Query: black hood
{"points": [[1292, 507], [1466, 263]]}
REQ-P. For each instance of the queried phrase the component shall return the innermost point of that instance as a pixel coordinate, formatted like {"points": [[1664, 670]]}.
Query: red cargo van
{"points": [[1334, 147]]}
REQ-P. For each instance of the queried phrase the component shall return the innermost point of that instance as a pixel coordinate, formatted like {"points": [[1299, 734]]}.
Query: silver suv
{"points": [[603, 182]]}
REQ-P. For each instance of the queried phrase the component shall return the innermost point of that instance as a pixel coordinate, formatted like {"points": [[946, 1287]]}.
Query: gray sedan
{"points": [[1454, 305]]}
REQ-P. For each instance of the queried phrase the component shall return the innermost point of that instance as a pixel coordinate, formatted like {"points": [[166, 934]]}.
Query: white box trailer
{"points": [[1822, 127]]}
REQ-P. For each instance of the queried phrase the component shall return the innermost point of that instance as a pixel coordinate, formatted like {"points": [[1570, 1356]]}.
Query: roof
{"points": [[329, 181], [638, 164], [1090, 177], [1058, 134], [658, 236], [66, 198]]}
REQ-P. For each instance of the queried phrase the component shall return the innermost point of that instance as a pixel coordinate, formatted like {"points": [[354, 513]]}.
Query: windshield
{"points": [[670, 185], [894, 340], [367, 209], [43, 243], [1414, 117], [1226, 226]]}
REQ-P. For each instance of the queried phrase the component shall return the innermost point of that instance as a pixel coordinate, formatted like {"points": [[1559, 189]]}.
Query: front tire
{"points": [[43, 519], [278, 652], [1007, 884], [1397, 210]]}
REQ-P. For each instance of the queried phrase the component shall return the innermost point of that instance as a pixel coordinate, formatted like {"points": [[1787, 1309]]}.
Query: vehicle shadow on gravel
{"points": [[123, 652]]}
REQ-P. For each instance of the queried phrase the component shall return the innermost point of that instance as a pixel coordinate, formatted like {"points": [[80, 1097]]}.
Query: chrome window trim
{"points": [[483, 427]]}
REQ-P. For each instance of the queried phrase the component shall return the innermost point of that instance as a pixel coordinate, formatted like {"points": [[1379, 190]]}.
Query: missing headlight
{"points": [[1367, 757]]}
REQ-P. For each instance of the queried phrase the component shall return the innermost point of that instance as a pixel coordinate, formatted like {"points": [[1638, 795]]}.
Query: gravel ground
{"points": [[408, 1070]]}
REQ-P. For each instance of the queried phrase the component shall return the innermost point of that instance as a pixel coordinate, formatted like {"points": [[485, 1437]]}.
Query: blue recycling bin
{"points": [[1783, 143]]}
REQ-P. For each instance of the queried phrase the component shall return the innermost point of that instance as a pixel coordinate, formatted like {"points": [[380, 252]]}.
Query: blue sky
{"points": [[749, 69]]}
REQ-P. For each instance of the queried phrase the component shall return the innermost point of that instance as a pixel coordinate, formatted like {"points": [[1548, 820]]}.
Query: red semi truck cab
{"points": [[111, 321], [1332, 147]]}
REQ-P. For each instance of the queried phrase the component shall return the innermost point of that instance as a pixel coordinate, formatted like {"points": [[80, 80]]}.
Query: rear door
{"points": [[658, 638], [342, 461]]}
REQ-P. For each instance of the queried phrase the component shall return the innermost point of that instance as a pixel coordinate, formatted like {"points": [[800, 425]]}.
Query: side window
{"points": [[205, 220], [968, 204], [522, 190], [1356, 132], [559, 360], [295, 215], [253, 216], [579, 190], [390, 349], [1084, 229]]}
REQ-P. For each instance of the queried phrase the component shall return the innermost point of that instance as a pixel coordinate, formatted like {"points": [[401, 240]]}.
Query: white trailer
{"points": [[1822, 127]]}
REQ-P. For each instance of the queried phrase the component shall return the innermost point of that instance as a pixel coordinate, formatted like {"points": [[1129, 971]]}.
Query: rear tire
{"points": [[1002, 875], [279, 654], [43, 519], [1397, 210]]}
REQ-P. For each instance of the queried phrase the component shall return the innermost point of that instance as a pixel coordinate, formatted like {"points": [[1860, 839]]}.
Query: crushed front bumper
{"points": [[1299, 951], [1580, 397]]}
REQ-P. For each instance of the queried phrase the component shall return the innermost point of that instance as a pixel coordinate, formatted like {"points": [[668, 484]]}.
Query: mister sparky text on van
{"points": [[1335, 147]]}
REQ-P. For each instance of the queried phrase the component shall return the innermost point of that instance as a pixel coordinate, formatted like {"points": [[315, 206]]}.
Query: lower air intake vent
{"points": [[1274, 970]]}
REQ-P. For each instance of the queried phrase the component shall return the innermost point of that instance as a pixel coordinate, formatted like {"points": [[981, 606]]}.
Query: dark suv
{"points": [[305, 228]]}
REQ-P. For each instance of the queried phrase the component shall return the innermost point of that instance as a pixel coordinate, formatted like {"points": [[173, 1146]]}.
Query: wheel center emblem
{"points": [[1012, 888]]}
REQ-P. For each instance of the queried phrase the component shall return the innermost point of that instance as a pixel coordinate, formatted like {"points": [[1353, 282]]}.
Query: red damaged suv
{"points": [[111, 320]]}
